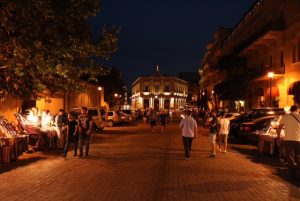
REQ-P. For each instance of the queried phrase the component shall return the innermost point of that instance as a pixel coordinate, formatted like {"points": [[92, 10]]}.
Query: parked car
{"points": [[117, 117], [251, 115], [251, 128], [231, 115], [129, 112], [98, 115]]}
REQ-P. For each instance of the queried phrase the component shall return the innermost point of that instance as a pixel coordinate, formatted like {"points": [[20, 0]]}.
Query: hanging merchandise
{"points": [[40, 129], [12, 143], [267, 142]]}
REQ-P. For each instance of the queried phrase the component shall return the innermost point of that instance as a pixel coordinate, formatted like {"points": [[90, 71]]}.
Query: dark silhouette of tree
{"points": [[48, 45], [113, 84]]}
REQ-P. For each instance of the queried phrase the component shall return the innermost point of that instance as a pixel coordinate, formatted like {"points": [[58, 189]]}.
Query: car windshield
{"points": [[264, 119], [246, 114]]}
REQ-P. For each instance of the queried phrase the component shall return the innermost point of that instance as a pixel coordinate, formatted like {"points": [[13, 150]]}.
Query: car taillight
{"points": [[246, 128], [234, 124]]}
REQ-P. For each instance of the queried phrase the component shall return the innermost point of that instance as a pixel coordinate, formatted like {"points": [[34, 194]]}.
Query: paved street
{"points": [[130, 163]]}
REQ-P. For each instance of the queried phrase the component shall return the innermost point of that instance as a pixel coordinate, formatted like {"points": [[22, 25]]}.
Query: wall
{"points": [[9, 107]]}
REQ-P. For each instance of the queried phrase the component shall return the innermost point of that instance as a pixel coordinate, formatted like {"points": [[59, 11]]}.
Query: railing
{"points": [[270, 26]]}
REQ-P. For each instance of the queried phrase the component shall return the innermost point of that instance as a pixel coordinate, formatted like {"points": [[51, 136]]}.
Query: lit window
{"points": [[146, 88], [167, 88], [156, 88]]}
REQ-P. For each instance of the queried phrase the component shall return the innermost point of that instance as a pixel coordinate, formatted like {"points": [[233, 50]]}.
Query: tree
{"points": [[113, 84], [47, 44]]}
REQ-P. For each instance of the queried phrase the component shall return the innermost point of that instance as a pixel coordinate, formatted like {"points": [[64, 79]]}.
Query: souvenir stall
{"points": [[40, 129], [12, 143], [267, 142]]}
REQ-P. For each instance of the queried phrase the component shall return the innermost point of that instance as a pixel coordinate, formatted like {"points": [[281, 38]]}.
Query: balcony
{"points": [[264, 36]]}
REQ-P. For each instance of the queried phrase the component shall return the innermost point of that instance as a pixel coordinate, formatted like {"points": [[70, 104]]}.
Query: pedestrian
{"points": [[153, 119], [206, 119], [213, 128], [60, 122], [188, 127], [145, 116], [163, 121], [224, 125], [291, 124], [85, 131], [72, 135]]}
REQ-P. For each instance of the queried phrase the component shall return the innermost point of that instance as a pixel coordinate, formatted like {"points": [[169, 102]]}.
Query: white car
{"points": [[117, 117]]}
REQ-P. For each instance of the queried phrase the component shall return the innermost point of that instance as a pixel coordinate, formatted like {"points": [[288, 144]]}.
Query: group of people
{"points": [[74, 131], [221, 127], [217, 127], [154, 117]]}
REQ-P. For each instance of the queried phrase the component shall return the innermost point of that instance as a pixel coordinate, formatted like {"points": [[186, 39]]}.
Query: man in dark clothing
{"points": [[85, 131], [163, 121], [72, 135]]}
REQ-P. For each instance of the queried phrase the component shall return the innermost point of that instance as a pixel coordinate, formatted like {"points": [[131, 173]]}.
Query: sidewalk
{"points": [[130, 163]]}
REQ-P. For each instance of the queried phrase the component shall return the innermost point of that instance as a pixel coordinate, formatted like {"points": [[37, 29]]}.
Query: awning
{"points": [[274, 91], [294, 88]]}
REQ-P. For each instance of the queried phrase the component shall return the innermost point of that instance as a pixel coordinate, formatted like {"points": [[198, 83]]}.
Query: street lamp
{"points": [[99, 88], [270, 75], [116, 95]]}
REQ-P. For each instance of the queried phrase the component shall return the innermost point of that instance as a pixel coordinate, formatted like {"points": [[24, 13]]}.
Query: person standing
{"points": [[224, 125], [188, 127], [60, 122], [152, 120], [291, 124], [163, 121], [85, 131], [213, 129], [72, 135]]}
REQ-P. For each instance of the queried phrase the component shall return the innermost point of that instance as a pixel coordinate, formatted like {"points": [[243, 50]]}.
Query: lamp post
{"points": [[99, 95], [270, 75]]}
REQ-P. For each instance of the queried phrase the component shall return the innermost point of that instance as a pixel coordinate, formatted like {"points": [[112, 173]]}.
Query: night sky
{"points": [[170, 33]]}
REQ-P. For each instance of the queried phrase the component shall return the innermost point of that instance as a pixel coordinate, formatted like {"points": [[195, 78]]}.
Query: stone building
{"points": [[159, 91], [266, 41]]}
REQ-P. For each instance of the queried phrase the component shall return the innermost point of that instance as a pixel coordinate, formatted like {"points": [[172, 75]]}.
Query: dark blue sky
{"points": [[170, 33]]}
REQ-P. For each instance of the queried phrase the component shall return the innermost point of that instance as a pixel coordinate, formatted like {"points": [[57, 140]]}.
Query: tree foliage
{"points": [[47, 44], [113, 83]]}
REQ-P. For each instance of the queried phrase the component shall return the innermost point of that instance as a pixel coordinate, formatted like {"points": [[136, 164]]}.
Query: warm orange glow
{"points": [[270, 74]]}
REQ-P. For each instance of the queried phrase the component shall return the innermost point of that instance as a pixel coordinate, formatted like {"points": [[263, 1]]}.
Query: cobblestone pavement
{"points": [[130, 163]]}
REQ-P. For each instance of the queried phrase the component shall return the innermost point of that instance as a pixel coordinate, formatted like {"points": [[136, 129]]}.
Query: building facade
{"points": [[256, 63], [92, 95], [159, 91]]}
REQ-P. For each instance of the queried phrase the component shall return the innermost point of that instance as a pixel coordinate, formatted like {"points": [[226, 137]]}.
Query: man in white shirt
{"points": [[188, 126], [291, 124], [224, 125]]}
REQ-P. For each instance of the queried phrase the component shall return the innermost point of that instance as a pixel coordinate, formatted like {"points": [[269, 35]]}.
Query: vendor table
{"points": [[267, 144]]}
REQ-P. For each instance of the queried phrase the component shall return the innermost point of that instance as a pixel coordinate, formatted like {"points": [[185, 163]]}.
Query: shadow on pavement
{"points": [[17, 164], [249, 149], [117, 132]]}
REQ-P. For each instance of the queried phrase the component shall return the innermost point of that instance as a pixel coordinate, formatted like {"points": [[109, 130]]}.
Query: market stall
{"points": [[267, 142], [42, 134], [12, 143]]}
